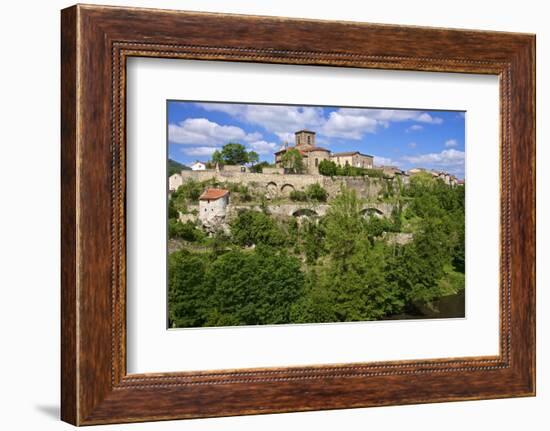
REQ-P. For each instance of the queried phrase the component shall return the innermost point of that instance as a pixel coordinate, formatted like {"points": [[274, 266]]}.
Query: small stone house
{"points": [[174, 181], [198, 166], [213, 206]]}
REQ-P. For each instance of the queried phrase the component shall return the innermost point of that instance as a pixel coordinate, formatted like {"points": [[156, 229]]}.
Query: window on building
{"points": [[309, 139], [316, 162]]}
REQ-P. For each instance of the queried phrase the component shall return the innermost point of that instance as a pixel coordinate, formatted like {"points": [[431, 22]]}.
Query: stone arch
{"points": [[286, 189], [367, 212], [271, 189], [305, 212]]}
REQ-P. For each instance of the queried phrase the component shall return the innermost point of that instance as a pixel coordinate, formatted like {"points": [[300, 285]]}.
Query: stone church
{"points": [[312, 155]]}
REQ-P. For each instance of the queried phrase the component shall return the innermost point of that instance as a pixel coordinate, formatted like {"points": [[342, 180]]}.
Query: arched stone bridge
{"points": [[309, 210]]}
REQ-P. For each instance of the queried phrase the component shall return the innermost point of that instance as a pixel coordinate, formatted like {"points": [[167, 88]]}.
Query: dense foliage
{"points": [[234, 153], [237, 288], [293, 161], [331, 169], [313, 192], [338, 267]]}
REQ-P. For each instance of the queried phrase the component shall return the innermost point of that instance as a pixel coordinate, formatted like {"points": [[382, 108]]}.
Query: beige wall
{"points": [[313, 159], [213, 210], [356, 160], [305, 139], [174, 181]]}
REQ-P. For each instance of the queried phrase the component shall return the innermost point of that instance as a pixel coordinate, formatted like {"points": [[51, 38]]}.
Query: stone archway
{"points": [[305, 212], [286, 189], [367, 212], [271, 190]]}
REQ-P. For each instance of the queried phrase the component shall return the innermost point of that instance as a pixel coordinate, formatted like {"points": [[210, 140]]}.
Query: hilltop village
{"points": [[281, 184]]}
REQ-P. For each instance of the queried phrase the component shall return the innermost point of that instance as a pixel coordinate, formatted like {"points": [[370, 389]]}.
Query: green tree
{"points": [[217, 157], [313, 236], [253, 288], [234, 153], [293, 161], [345, 226], [187, 294], [187, 231], [254, 228], [190, 191], [258, 167], [253, 157], [316, 192], [172, 211], [316, 304], [422, 263], [327, 168]]}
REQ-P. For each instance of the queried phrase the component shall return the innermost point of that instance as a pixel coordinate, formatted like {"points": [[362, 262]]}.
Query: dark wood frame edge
{"points": [[95, 43]]}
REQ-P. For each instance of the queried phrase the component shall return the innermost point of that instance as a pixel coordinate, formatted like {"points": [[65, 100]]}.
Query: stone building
{"points": [[174, 181], [446, 177], [393, 172], [312, 155], [353, 158], [213, 206], [198, 166]]}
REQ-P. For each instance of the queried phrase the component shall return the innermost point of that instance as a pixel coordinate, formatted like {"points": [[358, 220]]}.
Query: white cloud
{"points": [[278, 119], [229, 108], [348, 126], [393, 115], [203, 132], [451, 143], [427, 118], [446, 158], [353, 123], [199, 151], [345, 123], [253, 137], [385, 161], [411, 144], [285, 136], [263, 147], [414, 128]]}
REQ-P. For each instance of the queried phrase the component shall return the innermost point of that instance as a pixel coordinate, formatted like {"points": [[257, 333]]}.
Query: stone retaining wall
{"points": [[273, 183]]}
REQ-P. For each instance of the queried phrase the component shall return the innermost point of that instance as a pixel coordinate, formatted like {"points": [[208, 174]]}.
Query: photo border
{"points": [[167, 144], [96, 41]]}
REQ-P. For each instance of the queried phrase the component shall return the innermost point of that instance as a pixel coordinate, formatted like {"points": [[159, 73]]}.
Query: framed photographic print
{"points": [[259, 217]]}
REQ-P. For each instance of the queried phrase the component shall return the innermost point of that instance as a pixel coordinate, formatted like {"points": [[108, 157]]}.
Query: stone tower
{"points": [[305, 138]]}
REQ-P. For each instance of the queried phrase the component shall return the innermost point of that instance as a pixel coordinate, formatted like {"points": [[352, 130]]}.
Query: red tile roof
{"points": [[308, 149], [302, 150], [213, 194]]}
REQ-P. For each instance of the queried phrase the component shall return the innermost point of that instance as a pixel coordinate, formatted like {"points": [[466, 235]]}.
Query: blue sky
{"points": [[405, 138]]}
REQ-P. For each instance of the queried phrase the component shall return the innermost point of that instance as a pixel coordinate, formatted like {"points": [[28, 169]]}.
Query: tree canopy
{"points": [[336, 267], [234, 153], [292, 161]]}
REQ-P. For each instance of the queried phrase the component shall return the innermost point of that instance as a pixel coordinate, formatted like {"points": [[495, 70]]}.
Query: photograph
{"points": [[287, 214]]}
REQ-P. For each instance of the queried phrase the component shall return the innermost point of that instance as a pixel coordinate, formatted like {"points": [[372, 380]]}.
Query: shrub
{"points": [[254, 227], [187, 231], [327, 168], [298, 195], [316, 192]]}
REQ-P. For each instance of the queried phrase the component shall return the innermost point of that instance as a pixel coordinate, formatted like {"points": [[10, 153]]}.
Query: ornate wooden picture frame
{"points": [[96, 42]]}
